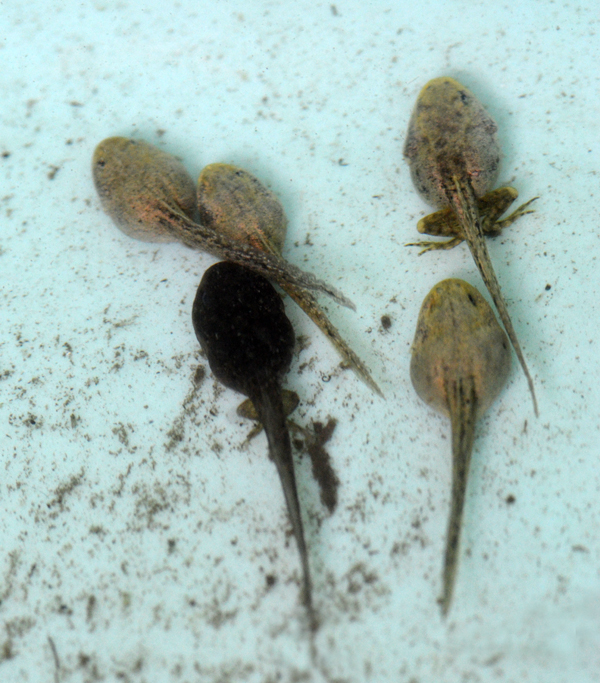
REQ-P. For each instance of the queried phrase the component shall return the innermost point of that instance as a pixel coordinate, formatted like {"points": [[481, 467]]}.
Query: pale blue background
{"points": [[97, 352]]}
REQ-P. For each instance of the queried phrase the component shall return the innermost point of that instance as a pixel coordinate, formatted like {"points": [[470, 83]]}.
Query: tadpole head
{"points": [[240, 322], [450, 134], [458, 338], [132, 178], [236, 204]]}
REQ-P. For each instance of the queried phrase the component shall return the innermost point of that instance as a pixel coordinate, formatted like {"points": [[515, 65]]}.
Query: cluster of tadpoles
{"points": [[460, 356]]}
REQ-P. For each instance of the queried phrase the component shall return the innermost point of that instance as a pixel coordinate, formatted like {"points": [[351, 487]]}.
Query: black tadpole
{"points": [[240, 322]]}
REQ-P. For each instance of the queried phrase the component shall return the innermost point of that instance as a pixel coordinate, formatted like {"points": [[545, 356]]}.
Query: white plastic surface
{"points": [[138, 539]]}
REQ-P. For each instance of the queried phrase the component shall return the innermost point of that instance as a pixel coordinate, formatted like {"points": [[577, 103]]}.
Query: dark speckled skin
{"points": [[450, 133]]}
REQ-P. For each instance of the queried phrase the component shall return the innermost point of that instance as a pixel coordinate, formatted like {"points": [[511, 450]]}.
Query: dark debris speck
{"points": [[386, 322]]}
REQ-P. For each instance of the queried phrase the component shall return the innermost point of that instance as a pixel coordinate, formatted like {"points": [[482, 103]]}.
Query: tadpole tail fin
{"points": [[271, 414], [465, 205], [463, 412], [310, 306]]}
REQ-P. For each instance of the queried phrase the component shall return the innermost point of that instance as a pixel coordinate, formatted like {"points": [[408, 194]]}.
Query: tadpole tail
{"points": [[463, 409], [310, 306], [269, 406], [200, 237], [465, 204]]}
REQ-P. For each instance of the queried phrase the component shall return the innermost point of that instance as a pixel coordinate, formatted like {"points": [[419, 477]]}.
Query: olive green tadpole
{"points": [[240, 322], [453, 153], [460, 362], [235, 204], [150, 196]]}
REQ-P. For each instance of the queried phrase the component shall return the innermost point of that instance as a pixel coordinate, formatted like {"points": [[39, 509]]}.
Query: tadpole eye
{"points": [[472, 300], [101, 163], [463, 96]]}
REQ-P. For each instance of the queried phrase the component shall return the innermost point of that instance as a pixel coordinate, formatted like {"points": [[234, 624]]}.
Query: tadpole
{"points": [[150, 196], [454, 156], [460, 362], [235, 204], [240, 322]]}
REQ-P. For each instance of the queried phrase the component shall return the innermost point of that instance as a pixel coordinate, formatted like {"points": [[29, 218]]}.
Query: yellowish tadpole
{"points": [[460, 362]]}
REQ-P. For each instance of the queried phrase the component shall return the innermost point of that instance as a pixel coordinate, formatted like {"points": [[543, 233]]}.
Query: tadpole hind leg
{"points": [[522, 210]]}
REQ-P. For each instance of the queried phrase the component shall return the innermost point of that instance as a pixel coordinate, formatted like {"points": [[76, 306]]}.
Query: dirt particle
{"points": [[83, 660], [62, 491], [33, 421], [176, 434], [6, 650], [580, 549], [120, 431], [199, 375], [359, 577], [322, 469]]}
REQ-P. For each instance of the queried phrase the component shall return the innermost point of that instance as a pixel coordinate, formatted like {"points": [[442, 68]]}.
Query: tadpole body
{"points": [[454, 156], [235, 204], [460, 362], [240, 322], [150, 196]]}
